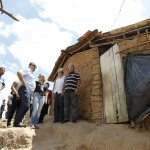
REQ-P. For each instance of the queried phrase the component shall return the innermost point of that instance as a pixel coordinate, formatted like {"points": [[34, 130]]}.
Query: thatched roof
{"points": [[102, 40]]}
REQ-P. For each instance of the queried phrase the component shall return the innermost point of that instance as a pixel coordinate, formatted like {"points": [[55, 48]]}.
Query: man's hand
{"points": [[62, 93], [17, 96], [76, 91]]}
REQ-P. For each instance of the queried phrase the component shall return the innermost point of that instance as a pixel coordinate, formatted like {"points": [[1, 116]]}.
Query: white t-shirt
{"points": [[59, 84], [29, 79]]}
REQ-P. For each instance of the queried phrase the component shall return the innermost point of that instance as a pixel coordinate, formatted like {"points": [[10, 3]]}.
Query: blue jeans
{"points": [[38, 102]]}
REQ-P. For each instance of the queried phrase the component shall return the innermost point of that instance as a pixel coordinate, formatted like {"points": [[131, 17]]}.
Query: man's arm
{"points": [[20, 76], [13, 88], [3, 86], [78, 87], [63, 88]]}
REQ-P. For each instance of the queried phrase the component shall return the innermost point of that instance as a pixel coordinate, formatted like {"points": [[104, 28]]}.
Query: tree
{"points": [[5, 12]]}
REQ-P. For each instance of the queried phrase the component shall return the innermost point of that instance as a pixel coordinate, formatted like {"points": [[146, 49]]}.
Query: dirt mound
{"points": [[76, 136]]}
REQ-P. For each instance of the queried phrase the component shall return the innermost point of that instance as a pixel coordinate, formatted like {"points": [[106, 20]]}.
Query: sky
{"points": [[48, 26]]}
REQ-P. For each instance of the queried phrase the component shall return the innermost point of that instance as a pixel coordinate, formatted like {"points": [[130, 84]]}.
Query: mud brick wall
{"points": [[87, 65], [96, 95], [143, 48]]}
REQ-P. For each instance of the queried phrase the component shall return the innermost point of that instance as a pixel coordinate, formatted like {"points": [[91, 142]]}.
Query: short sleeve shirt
{"points": [[71, 81], [29, 79]]}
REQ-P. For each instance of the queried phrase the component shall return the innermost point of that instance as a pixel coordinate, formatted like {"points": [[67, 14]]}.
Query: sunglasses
{"points": [[34, 65]]}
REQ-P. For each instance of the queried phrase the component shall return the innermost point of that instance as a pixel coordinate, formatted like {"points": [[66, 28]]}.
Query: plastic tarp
{"points": [[137, 85]]}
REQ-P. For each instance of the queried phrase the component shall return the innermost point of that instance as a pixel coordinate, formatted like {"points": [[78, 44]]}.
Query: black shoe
{"points": [[55, 121], [41, 121], [8, 124], [20, 125], [64, 121]]}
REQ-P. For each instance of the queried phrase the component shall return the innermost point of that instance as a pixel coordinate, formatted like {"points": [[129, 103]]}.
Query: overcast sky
{"points": [[48, 26]]}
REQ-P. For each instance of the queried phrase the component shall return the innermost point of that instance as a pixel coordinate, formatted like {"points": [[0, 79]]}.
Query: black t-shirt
{"points": [[40, 88]]}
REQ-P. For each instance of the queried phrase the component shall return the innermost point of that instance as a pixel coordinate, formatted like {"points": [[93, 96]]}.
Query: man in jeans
{"points": [[25, 91], [71, 90]]}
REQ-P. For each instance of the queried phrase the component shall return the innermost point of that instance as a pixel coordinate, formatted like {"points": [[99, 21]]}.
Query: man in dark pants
{"points": [[15, 101], [71, 87], [58, 98], [25, 91]]}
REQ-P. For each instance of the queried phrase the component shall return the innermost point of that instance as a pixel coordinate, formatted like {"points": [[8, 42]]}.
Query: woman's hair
{"points": [[42, 75]]}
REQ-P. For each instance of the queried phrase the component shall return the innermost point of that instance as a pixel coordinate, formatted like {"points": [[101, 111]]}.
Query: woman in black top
{"points": [[38, 100]]}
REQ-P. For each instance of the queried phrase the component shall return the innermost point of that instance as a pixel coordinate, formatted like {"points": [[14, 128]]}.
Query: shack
{"points": [[103, 60]]}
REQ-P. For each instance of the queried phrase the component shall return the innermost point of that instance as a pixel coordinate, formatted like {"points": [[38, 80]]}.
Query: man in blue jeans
{"points": [[25, 91], [71, 90]]}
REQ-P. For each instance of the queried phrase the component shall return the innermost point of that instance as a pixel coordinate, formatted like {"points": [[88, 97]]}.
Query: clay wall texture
{"points": [[87, 65]]}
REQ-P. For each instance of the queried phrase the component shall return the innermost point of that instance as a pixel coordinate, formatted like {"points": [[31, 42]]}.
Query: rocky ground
{"points": [[78, 136]]}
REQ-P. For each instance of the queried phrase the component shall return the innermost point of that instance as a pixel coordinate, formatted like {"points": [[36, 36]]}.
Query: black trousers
{"points": [[24, 104], [14, 107], [58, 108], [44, 111]]}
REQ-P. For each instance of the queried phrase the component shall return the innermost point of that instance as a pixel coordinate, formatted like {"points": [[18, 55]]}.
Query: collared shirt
{"points": [[2, 82], [29, 79], [71, 81], [59, 84]]}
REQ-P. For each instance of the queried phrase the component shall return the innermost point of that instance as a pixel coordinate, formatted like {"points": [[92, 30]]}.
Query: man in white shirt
{"points": [[25, 91], [58, 98]]}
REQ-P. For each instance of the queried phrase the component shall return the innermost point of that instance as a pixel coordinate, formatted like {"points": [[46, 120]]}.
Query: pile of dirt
{"points": [[76, 136]]}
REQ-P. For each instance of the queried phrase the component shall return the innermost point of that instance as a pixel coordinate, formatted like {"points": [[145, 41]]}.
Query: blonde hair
{"points": [[42, 75]]}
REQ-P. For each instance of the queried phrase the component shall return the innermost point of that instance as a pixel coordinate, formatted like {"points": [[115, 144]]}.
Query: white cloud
{"points": [[38, 41], [4, 29], [82, 15], [2, 49]]}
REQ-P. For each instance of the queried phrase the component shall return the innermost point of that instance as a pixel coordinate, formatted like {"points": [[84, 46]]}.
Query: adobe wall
{"points": [[87, 65], [129, 45]]}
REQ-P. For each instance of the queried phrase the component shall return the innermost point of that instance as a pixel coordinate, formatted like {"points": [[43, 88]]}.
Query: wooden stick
{"points": [[8, 14]]}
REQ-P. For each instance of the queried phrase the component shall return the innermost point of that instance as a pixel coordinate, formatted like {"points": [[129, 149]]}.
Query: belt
{"points": [[58, 93]]}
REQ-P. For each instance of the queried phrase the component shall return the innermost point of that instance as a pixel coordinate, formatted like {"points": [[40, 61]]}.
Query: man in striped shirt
{"points": [[71, 90]]}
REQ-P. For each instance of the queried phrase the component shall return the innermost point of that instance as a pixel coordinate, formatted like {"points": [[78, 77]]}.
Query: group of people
{"points": [[27, 93], [66, 90]]}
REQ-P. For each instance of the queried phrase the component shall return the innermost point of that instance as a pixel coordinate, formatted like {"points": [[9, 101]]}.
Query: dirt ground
{"points": [[75, 136]]}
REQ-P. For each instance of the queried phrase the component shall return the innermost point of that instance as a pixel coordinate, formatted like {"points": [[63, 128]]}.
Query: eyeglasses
{"points": [[34, 65]]}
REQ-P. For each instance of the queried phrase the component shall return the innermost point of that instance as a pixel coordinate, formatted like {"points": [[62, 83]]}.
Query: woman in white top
{"points": [[58, 98]]}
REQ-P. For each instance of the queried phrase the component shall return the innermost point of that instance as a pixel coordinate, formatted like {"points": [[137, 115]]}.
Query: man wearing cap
{"points": [[25, 91], [2, 80]]}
